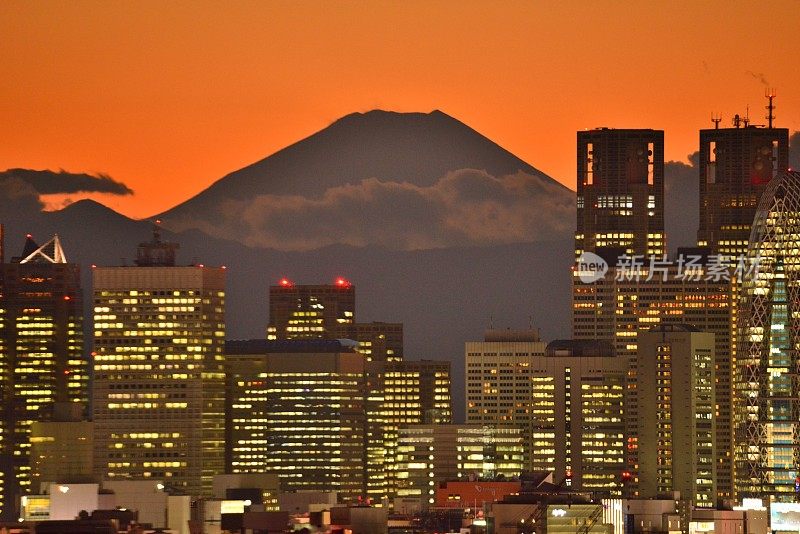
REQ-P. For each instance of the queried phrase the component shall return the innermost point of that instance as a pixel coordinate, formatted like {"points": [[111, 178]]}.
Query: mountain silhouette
{"points": [[366, 178], [418, 148], [454, 194]]}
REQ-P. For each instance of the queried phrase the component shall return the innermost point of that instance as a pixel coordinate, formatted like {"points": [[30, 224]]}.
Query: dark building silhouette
{"points": [[42, 360], [736, 164], [378, 341], [621, 191], [328, 311], [310, 311]]}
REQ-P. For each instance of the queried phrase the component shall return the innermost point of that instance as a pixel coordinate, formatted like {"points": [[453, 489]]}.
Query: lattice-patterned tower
{"points": [[767, 454]]}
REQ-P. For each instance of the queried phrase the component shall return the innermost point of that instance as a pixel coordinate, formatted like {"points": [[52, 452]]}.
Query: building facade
{"points": [[298, 311], [619, 307], [767, 390], [299, 409], [61, 451], [428, 455], [621, 191], [159, 383], [377, 341], [676, 414], [736, 164], [403, 393], [42, 359], [328, 311], [567, 399]]}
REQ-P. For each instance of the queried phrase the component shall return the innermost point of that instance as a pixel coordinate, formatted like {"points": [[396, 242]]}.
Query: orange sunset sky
{"points": [[167, 97]]}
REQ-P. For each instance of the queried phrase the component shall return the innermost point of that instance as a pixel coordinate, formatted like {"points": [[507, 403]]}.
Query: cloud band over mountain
{"points": [[46, 182], [464, 208]]}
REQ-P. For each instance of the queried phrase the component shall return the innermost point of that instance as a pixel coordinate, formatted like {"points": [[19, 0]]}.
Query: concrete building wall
{"points": [[676, 414], [159, 390], [147, 497]]}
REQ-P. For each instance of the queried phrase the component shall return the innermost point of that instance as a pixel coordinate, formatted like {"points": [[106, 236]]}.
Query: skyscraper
{"points": [[431, 454], [767, 420], [328, 311], [298, 408], [310, 311], [499, 387], [567, 398], [676, 414], [736, 164], [403, 393], [159, 383], [621, 191], [378, 341], [619, 308], [42, 360]]}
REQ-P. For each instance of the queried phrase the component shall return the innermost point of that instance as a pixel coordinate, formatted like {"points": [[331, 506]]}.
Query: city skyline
{"points": [[193, 95], [640, 312]]}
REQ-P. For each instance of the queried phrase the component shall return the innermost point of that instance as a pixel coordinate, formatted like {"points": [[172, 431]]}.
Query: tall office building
{"points": [[432, 454], [329, 312], [567, 399], [159, 382], [404, 393], [767, 389], [310, 311], [676, 414], [62, 448], [377, 341], [416, 391], [736, 164], [298, 408], [498, 381], [618, 307], [621, 191], [42, 360]]}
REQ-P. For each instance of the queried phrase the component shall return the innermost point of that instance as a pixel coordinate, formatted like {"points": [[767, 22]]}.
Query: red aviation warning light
{"points": [[342, 282], [285, 282]]}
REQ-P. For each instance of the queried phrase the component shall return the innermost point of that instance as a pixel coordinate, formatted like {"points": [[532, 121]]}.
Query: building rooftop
{"points": [[501, 335], [580, 347], [683, 327], [264, 346]]}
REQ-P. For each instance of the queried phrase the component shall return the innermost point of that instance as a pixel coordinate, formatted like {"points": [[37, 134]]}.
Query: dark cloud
{"points": [[681, 202], [50, 182], [18, 200], [464, 208], [794, 151]]}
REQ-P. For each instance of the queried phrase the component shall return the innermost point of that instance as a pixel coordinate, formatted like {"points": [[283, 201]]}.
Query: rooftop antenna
{"points": [[746, 119], [157, 231], [716, 119], [770, 94], [737, 121], [491, 321]]}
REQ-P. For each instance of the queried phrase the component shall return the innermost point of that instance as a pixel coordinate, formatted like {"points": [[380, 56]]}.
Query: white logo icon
{"points": [[591, 267]]}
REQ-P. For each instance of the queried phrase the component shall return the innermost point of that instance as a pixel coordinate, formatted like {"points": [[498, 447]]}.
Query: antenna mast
{"points": [[770, 94], [716, 119]]}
